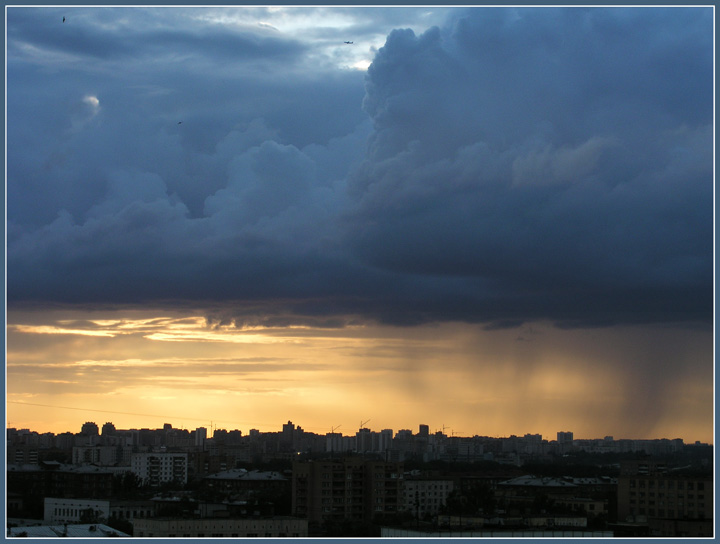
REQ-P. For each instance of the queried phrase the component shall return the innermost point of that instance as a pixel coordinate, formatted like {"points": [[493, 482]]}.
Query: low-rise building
{"points": [[423, 497], [72, 510], [218, 528], [52, 479], [95, 530], [584, 505], [241, 480]]}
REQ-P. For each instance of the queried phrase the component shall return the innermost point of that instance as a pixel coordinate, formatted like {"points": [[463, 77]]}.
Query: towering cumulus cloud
{"points": [[543, 164], [508, 165]]}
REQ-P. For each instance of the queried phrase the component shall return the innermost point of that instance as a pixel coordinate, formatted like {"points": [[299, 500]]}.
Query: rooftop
{"points": [[243, 474], [95, 530]]}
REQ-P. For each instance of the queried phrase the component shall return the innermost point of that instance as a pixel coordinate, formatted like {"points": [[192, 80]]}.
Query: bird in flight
{"points": [[63, 19], [349, 43], [179, 122]]}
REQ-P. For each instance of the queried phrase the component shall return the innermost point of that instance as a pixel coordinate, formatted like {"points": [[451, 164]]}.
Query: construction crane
{"points": [[362, 423], [332, 429]]}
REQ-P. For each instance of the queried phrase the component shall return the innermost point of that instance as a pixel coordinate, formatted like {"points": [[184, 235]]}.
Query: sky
{"points": [[492, 221]]}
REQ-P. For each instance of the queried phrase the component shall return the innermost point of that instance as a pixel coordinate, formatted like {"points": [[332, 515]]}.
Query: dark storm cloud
{"points": [[60, 152], [556, 154], [113, 36], [522, 164]]}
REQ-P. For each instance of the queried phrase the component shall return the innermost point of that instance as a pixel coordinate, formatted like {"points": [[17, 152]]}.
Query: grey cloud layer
{"points": [[506, 165]]}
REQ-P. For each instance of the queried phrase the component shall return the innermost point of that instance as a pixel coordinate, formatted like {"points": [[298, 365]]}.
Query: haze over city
{"points": [[498, 220]]}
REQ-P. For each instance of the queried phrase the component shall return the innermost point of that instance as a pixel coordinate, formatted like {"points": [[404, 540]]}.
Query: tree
{"points": [[470, 501], [89, 515], [120, 524], [127, 485]]}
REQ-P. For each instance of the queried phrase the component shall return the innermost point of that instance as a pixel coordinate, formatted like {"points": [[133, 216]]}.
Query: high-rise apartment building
{"points": [[200, 436], [670, 503], [108, 429], [346, 489], [157, 468], [90, 428]]}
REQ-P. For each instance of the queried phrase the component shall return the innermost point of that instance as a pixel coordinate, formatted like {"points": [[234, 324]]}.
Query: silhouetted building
{"points": [[670, 503], [89, 428], [200, 437], [364, 440], [349, 489], [243, 481], [52, 479], [108, 429], [218, 528]]}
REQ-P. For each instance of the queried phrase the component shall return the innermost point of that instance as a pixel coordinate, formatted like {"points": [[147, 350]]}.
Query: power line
{"points": [[121, 413], [181, 418]]}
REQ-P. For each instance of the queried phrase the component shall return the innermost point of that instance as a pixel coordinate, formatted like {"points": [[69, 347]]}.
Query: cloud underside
{"points": [[508, 165]]}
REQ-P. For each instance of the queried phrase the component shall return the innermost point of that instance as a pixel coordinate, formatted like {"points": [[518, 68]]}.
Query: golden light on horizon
{"points": [[491, 383]]}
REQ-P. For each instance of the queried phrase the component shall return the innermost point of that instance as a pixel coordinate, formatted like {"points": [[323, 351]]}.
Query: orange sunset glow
{"points": [[142, 369], [360, 271]]}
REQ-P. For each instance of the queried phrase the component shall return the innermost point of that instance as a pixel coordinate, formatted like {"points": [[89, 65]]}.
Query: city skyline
{"points": [[496, 219], [419, 429]]}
